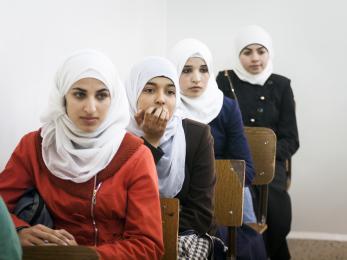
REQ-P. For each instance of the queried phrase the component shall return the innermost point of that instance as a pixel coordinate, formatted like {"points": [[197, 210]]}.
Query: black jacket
{"points": [[197, 193], [271, 105]]}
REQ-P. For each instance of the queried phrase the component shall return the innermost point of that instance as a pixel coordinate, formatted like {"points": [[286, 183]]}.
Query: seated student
{"points": [[204, 102], [266, 100], [9, 243], [183, 150], [98, 181]]}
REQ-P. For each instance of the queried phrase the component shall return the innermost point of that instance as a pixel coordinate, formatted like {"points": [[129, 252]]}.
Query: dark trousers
{"points": [[279, 216], [249, 244]]}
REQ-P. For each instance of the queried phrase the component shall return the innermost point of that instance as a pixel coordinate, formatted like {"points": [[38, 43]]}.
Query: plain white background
{"points": [[309, 37]]}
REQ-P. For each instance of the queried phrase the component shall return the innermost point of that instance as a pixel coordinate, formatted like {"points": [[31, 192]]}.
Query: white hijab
{"points": [[253, 34], [206, 107], [171, 167], [68, 152]]}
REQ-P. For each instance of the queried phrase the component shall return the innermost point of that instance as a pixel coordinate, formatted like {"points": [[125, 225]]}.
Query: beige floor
{"points": [[301, 249]]}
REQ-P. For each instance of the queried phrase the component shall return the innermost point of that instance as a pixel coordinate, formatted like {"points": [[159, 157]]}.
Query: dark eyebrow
{"points": [[154, 84], [98, 91], [79, 89], [103, 90], [262, 47], [151, 83]]}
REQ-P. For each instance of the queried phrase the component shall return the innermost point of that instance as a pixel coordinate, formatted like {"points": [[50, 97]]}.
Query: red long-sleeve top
{"points": [[126, 207]]}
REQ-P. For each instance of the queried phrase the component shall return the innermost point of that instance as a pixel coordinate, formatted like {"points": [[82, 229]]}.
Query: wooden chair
{"points": [[170, 221], [59, 252], [229, 198], [262, 143]]}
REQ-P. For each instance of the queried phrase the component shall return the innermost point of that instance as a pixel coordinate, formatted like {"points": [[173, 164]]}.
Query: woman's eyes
{"points": [[99, 96], [187, 70], [79, 94], [148, 90], [204, 69], [102, 96], [171, 91], [261, 52], [152, 91]]}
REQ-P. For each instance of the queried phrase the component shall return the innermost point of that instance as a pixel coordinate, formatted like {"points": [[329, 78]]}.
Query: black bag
{"points": [[32, 209]]}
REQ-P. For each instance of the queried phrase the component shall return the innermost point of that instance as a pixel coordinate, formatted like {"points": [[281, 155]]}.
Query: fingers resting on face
{"points": [[156, 116], [153, 123]]}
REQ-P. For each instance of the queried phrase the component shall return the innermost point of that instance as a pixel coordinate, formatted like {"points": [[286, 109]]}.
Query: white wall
{"points": [[310, 39], [36, 36]]}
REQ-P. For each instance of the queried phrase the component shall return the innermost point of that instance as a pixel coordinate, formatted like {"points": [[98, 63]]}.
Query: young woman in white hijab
{"points": [[95, 178], [204, 102], [265, 100], [182, 149]]}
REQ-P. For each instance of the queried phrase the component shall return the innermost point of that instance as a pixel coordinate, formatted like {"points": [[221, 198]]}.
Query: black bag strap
{"points": [[226, 74]]}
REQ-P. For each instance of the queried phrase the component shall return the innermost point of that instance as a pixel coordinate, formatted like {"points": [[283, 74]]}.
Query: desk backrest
{"points": [[170, 218], [229, 192], [262, 143]]}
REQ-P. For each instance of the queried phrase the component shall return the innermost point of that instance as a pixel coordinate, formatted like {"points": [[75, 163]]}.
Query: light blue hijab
{"points": [[171, 167]]}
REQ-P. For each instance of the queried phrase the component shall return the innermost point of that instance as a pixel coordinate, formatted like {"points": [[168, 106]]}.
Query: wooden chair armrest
{"points": [[170, 219]]}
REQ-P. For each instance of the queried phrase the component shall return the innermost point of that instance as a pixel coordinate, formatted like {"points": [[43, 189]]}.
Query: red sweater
{"points": [[126, 209]]}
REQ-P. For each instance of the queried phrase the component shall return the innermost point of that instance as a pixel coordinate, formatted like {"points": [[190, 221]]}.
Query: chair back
{"points": [[170, 221], [229, 188], [262, 143]]}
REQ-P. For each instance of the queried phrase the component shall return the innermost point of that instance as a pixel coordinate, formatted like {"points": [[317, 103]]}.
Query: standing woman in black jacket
{"points": [[266, 100]]}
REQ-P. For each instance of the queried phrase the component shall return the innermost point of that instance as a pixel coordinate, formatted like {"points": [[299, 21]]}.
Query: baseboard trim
{"points": [[317, 236]]}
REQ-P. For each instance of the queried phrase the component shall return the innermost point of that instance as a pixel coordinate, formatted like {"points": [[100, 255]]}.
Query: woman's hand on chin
{"points": [[153, 123]]}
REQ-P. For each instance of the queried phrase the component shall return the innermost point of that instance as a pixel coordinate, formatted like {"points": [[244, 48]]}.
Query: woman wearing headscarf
{"points": [[182, 149], [96, 179], [265, 100], [201, 100]]}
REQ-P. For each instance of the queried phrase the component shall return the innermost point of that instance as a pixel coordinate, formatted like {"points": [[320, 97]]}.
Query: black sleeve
{"points": [[157, 152], [197, 206], [223, 84], [287, 131]]}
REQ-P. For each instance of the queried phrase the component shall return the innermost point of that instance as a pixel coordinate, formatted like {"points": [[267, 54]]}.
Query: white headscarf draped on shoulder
{"points": [[171, 167], [206, 107], [253, 34], [68, 152]]}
